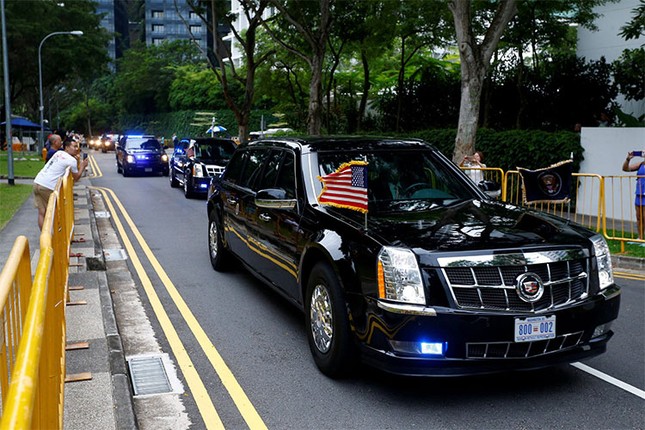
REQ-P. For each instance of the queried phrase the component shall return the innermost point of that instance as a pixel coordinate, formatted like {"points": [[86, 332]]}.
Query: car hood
{"points": [[472, 225]]}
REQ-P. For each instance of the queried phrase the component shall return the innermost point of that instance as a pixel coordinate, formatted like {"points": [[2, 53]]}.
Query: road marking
{"points": [[618, 383], [96, 170], [239, 397], [629, 275], [200, 394]]}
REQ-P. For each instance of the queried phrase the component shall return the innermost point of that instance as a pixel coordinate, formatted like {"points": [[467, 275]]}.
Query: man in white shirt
{"points": [[46, 179]]}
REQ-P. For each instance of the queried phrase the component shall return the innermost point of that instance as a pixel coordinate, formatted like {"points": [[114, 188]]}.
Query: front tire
{"points": [[327, 324], [188, 192], [220, 256], [174, 183]]}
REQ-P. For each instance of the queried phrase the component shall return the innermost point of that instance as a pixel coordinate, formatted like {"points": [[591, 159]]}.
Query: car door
{"points": [[274, 233], [237, 202]]}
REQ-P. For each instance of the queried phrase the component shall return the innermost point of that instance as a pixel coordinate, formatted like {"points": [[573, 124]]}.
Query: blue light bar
{"points": [[432, 348]]}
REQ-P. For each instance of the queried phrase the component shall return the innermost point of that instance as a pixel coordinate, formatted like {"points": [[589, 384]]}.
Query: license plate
{"points": [[148, 169], [534, 328]]}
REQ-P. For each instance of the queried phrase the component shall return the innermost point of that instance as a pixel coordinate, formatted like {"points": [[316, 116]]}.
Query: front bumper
{"points": [[200, 185], [482, 342]]}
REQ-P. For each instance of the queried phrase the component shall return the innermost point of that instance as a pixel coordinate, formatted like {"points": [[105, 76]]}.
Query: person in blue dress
{"points": [[639, 201]]}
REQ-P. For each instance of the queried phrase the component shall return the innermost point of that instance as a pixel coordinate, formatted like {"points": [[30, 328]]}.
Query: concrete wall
{"points": [[605, 149]]}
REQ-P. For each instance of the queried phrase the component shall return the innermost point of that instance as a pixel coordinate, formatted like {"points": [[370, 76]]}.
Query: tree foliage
{"points": [[64, 58]]}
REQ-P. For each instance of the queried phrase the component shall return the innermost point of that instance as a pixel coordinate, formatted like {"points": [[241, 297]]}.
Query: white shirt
{"points": [[55, 168]]}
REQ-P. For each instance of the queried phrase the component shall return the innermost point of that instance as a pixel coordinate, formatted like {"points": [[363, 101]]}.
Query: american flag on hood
{"points": [[346, 187]]}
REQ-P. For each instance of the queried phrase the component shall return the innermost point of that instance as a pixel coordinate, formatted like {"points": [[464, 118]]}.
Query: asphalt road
{"points": [[248, 347]]}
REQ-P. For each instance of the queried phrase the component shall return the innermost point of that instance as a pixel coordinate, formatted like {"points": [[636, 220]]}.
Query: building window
{"points": [[157, 13], [157, 28], [157, 41], [196, 29], [192, 15]]}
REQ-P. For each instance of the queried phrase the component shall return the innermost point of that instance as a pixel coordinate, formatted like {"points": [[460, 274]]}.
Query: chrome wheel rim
{"points": [[212, 239], [320, 312]]}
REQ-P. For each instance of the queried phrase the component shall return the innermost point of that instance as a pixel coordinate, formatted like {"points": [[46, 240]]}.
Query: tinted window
{"points": [[142, 143], [287, 176], [403, 179], [270, 171], [235, 167], [218, 152], [253, 167]]}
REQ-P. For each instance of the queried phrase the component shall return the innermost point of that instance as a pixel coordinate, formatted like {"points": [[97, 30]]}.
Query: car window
{"points": [[402, 179], [253, 168], [235, 167], [287, 175], [270, 170], [142, 143], [217, 152]]}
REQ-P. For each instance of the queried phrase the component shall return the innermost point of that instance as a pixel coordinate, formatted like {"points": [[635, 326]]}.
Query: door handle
{"points": [[264, 217], [231, 202]]}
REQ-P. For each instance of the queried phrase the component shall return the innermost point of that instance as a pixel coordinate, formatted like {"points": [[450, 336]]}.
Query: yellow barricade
{"points": [[33, 361], [585, 207], [620, 221]]}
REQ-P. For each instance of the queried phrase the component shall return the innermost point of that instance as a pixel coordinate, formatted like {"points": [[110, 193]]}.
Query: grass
{"points": [[25, 164], [12, 198]]}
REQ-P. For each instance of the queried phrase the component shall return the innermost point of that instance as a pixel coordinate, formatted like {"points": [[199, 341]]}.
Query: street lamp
{"points": [[40, 80]]}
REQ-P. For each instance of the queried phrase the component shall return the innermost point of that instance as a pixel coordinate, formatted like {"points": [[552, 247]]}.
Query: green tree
{"points": [[475, 60], [145, 74], [311, 22], [64, 58], [195, 88], [238, 84]]}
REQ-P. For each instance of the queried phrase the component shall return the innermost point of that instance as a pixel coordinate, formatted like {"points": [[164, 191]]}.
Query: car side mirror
{"points": [[274, 198], [492, 189]]}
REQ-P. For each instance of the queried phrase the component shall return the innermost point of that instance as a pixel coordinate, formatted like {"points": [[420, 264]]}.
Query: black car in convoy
{"points": [[435, 279], [140, 154], [195, 161]]}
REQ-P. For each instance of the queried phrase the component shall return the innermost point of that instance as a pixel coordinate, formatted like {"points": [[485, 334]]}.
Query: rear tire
{"points": [[327, 324], [220, 256]]}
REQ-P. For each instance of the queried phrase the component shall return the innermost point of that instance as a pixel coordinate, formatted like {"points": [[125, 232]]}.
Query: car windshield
{"points": [[142, 143], [403, 180], [218, 152]]}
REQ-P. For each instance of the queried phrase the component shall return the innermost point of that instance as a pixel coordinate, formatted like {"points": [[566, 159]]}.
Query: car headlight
{"points": [[603, 258], [198, 171], [130, 159], [164, 158], [399, 278]]}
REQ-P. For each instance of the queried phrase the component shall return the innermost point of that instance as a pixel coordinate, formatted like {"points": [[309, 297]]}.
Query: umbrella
{"points": [[215, 129], [22, 122]]}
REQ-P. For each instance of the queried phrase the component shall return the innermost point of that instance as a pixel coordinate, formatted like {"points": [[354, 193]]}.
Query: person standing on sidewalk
{"points": [[639, 201], [46, 179], [55, 144]]}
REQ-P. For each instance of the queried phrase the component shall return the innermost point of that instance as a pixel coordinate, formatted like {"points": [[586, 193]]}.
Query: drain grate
{"points": [[114, 254], [149, 375]]}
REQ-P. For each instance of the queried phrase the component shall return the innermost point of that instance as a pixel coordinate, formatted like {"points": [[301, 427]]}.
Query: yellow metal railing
{"points": [[33, 324], [586, 205], [620, 222]]}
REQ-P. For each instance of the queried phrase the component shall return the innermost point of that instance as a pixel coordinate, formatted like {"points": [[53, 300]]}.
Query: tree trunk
{"points": [[366, 91], [475, 60], [314, 116]]}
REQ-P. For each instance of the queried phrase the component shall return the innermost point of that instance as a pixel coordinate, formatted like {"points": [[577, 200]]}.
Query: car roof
{"points": [[339, 143]]}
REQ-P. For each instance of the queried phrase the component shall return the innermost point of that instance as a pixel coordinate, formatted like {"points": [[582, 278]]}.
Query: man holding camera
{"points": [[46, 179]]}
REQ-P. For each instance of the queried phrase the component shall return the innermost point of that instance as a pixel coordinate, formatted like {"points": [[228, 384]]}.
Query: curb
{"points": [[625, 262], [122, 396]]}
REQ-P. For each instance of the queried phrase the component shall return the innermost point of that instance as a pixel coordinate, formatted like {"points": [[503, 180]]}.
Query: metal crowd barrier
{"points": [[601, 203], [32, 355]]}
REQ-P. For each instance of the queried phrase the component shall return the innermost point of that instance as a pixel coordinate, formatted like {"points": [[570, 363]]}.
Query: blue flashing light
{"points": [[432, 348]]}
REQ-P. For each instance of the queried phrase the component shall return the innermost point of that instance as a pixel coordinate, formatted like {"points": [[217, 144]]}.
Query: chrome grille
{"points": [[493, 288], [213, 170], [494, 350]]}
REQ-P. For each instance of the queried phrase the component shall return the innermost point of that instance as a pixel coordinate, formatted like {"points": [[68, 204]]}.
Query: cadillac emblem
{"points": [[529, 287]]}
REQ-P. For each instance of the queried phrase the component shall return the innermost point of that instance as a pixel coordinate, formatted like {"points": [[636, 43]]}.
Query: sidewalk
{"points": [[105, 400]]}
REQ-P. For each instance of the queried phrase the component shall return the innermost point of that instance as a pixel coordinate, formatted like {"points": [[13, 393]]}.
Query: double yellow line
{"points": [[194, 381], [96, 170]]}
